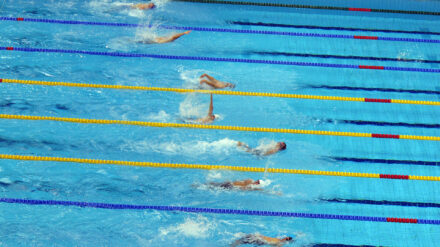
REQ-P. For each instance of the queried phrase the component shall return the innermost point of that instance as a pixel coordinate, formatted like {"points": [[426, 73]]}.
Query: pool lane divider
{"points": [[220, 92], [218, 167], [301, 6], [351, 29], [218, 127], [221, 59], [217, 211], [223, 30]]}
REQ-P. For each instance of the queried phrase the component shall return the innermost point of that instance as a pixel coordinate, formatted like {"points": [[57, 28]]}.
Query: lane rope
{"points": [[222, 30], [300, 6], [218, 167], [220, 92], [217, 211], [219, 127], [219, 59]]}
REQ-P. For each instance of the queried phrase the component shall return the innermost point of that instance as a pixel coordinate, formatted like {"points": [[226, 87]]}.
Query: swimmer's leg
{"points": [[176, 36]]}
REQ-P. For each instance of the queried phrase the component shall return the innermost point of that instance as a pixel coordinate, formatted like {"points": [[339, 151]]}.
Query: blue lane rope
{"points": [[216, 211], [223, 30], [217, 59]]}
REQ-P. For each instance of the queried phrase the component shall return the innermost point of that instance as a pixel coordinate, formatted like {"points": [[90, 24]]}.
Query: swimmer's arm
{"points": [[245, 146], [211, 108], [236, 243], [271, 151], [208, 83], [207, 76]]}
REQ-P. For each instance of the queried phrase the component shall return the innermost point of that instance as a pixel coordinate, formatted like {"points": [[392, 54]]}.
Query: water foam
{"points": [[108, 8], [191, 78], [199, 227], [147, 31], [161, 116], [223, 146], [191, 107]]}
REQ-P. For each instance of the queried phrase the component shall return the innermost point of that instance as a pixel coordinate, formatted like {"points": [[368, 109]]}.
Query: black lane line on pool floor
{"points": [[262, 24], [379, 123], [340, 245], [390, 90], [384, 203], [384, 161], [302, 6], [349, 57]]}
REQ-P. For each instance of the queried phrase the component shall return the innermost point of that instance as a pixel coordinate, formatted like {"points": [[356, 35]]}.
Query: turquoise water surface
{"points": [[30, 225]]}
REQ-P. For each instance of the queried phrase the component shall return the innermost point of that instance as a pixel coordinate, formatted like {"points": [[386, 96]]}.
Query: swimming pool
{"points": [[322, 58]]}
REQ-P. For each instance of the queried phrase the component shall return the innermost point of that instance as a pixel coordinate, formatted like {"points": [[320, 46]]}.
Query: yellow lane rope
{"points": [[218, 127], [215, 167], [222, 92]]}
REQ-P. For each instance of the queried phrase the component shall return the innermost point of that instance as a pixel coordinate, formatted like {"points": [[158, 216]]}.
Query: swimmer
{"points": [[259, 240], [210, 117], [162, 40], [279, 146], [143, 6], [247, 184], [211, 81]]}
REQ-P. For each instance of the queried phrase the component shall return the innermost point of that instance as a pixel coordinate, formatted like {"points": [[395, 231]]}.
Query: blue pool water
{"points": [[27, 225]]}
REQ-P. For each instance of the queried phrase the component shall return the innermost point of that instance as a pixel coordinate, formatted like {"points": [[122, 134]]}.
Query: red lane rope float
{"points": [[224, 30], [366, 37], [359, 9], [371, 67], [392, 176], [385, 136], [221, 59], [34, 202], [378, 100]]}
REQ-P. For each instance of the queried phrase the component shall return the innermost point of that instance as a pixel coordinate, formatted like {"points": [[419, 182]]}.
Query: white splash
{"points": [[193, 148], [147, 31], [191, 78], [5, 180], [107, 7], [191, 107], [265, 182], [160, 3], [214, 175], [199, 227], [161, 116]]}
